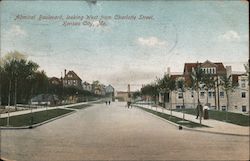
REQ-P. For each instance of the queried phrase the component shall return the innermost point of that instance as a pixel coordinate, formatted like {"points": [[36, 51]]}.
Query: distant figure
{"points": [[199, 110], [106, 102], [109, 102], [128, 103]]}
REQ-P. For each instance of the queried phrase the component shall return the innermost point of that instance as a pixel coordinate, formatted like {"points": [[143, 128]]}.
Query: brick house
{"points": [[238, 99]]}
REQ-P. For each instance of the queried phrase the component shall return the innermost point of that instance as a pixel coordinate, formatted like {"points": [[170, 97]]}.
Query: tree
{"points": [[228, 86], [1, 80], [166, 85], [136, 94], [208, 83], [42, 82], [16, 70], [181, 87], [196, 78], [150, 90]]}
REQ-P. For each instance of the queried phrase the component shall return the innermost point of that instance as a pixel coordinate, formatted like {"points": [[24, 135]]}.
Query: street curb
{"points": [[193, 129], [159, 117], [38, 124], [57, 107]]}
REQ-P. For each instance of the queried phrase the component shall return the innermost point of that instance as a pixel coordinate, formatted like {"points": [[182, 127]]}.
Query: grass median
{"points": [[33, 118], [174, 119], [234, 118]]}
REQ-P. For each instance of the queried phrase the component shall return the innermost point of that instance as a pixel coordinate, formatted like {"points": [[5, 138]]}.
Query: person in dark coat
{"points": [[199, 110]]}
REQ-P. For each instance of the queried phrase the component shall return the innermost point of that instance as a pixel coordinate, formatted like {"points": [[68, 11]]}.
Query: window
{"points": [[177, 107], [235, 107], [213, 71], [210, 94], [202, 94], [180, 95], [243, 95], [210, 70], [223, 108], [222, 94], [244, 108]]}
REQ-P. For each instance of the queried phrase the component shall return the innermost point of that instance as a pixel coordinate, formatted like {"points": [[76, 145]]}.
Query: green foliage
{"points": [[166, 84], [149, 89], [173, 119], [17, 78], [234, 118], [20, 80], [136, 94], [37, 117]]}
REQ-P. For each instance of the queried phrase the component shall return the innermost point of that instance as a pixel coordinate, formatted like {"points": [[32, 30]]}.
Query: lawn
{"points": [[33, 118], [80, 106], [174, 119], [234, 118]]}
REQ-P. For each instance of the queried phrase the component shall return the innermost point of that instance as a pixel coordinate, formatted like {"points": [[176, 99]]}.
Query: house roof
{"points": [[54, 79], [219, 67], [74, 76], [235, 77], [175, 76]]}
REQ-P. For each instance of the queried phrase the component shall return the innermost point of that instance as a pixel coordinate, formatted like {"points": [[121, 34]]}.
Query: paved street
{"points": [[114, 132]]}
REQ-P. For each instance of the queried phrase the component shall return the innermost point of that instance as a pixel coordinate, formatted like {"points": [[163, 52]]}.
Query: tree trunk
{"points": [[9, 93], [227, 105], [15, 98], [183, 105], [170, 101], [215, 100], [207, 95], [218, 93]]}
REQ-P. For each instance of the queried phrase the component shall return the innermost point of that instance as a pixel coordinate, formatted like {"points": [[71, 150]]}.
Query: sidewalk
{"points": [[42, 109], [214, 125]]}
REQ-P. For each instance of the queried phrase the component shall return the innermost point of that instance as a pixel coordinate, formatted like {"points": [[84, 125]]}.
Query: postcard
{"points": [[124, 80]]}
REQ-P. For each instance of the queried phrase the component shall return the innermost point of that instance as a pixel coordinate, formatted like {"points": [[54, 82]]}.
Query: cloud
{"points": [[230, 36], [150, 41], [15, 31]]}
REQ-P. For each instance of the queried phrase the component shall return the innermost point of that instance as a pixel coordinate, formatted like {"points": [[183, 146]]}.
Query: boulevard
{"points": [[114, 132]]}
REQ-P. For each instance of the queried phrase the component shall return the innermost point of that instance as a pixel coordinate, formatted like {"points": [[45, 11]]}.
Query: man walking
{"points": [[199, 110]]}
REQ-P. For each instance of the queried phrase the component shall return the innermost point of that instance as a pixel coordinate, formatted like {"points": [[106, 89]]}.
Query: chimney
{"points": [[65, 72], [129, 90], [229, 70], [168, 71]]}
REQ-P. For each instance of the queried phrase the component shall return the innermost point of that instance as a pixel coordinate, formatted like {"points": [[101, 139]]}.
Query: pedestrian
{"points": [[106, 102], [109, 102], [199, 110], [128, 103]]}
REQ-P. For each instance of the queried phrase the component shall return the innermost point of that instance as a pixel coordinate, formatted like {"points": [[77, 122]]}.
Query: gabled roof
{"points": [[74, 76], [219, 67], [54, 79]]}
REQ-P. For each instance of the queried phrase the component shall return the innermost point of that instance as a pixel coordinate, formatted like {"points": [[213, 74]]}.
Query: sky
{"points": [[125, 42]]}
